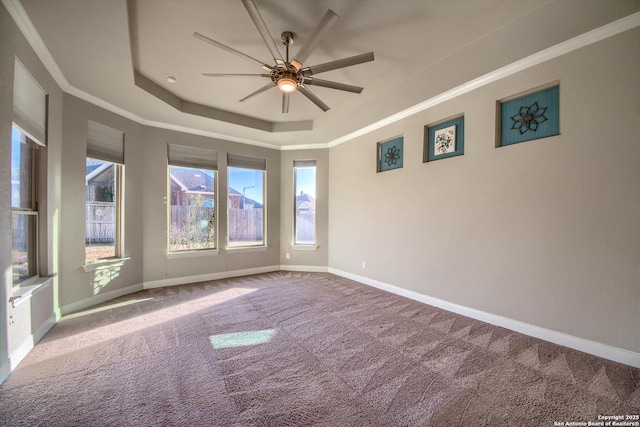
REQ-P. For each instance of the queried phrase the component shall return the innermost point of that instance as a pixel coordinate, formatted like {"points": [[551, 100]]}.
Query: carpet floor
{"points": [[297, 349]]}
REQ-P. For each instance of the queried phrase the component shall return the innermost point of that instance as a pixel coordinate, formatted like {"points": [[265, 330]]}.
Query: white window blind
{"points": [[105, 143], [246, 162], [192, 157], [29, 104], [303, 163]]}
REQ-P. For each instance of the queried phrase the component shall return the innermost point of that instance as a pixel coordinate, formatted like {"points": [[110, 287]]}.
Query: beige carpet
{"points": [[290, 349]]}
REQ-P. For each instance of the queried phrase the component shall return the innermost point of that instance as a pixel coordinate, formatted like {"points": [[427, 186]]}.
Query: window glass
{"points": [[102, 209], [246, 207], [24, 213], [192, 211], [23, 246], [305, 205], [22, 170]]}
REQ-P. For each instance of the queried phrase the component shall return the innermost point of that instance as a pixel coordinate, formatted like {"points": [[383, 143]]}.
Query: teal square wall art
{"points": [[444, 139], [531, 116], [390, 154]]}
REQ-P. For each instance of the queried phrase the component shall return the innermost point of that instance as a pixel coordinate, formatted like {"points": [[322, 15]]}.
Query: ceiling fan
{"points": [[290, 75]]}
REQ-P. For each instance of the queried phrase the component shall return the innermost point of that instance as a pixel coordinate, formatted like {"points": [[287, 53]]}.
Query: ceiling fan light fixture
{"points": [[287, 85]]}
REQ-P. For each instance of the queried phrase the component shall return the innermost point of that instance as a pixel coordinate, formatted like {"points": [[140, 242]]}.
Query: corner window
{"points": [[104, 181], [192, 198], [24, 206], [304, 175], [246, 201]]}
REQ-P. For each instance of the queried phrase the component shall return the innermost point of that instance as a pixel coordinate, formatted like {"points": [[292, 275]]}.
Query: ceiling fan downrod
{"points": [[286, 76]]}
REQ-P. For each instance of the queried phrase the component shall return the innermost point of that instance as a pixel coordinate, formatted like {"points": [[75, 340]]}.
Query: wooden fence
{"points": [[100, 222], [306, 227], [245, 225]]}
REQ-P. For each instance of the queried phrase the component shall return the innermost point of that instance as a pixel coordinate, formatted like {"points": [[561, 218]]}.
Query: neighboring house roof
{"points": [[304, 200], [94, 171], [189, 179], [248, 201]]}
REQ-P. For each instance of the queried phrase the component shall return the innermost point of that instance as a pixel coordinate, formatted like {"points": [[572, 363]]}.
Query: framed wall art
{"points": [[390, 154], [444, 139], [528, 116]]}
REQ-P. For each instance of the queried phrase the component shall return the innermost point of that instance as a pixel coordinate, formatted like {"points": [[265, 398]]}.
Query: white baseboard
{"points": [[21, 352], [305, 268], [592, 347], [209, 276], [98, 299]]}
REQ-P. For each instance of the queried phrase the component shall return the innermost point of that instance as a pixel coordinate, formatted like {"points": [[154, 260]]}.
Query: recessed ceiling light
{"points": [[171, 79]]}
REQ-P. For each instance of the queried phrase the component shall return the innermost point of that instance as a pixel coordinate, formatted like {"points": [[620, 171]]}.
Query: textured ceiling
{"points": [[422, 48]]}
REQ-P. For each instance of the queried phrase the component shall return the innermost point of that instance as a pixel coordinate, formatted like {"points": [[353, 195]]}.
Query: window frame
{"points": [[214, 249], [32, 210], [258, 245], [118, 245], [295, 242]]}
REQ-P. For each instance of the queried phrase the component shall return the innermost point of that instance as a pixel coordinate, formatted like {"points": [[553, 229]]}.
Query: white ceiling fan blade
{"points": [[259, 91], [285, 102], [339, 63], [313, 98], [232, 51], [254, 13], [332, 85], [323, 27]]}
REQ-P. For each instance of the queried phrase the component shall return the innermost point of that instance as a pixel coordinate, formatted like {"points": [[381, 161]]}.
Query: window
{"points": [[246, 201], [192, 195], [103, 197], [28, 138], [304, 176], [24, 206]]}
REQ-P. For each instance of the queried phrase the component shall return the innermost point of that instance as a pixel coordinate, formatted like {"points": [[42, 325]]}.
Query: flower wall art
{"points": [[390, 154], [444, 139], [531, 116]]}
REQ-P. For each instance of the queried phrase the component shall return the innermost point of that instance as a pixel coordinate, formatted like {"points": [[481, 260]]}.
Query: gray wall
{"points": [[546, 232], [146, 184], [77, 284], [157, 266]]}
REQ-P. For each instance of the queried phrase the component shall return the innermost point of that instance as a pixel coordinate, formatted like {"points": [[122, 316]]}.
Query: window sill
{"points": [[105, 263], [246, 249], [304, 247], [24, 291], [193, 254]]}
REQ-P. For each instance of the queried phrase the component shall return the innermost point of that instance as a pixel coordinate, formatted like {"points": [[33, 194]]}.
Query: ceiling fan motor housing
{"points": [[286, 72]]}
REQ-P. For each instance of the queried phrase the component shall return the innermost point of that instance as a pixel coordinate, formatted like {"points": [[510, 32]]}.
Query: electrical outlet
{"points": [[287, 255], [364, 264]]}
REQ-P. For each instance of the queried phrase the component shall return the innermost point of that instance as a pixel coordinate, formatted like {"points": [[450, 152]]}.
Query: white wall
{"points": [[545, 232]]}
